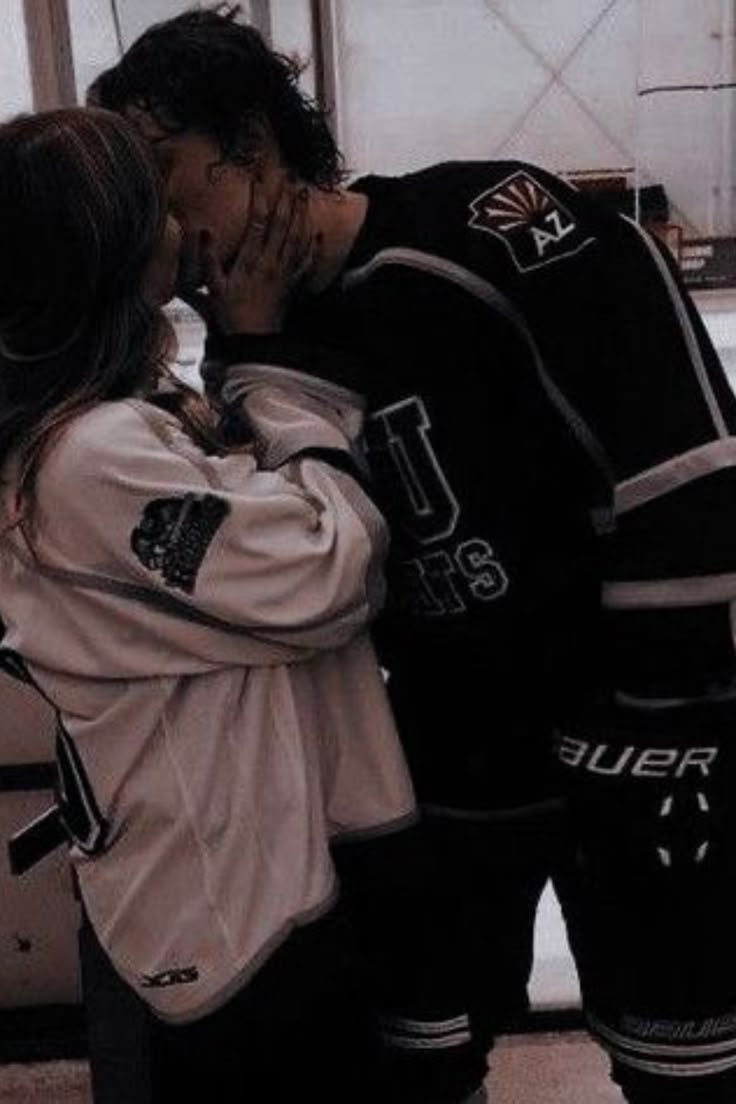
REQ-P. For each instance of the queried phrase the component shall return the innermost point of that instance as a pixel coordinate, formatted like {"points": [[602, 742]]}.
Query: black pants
{"points": [[650, 906], [303, 1028], [651, 918], [452, 944]]}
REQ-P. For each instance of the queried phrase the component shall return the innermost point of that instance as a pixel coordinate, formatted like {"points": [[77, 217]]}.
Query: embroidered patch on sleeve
{"points": [[174, 534], [534, 226]]}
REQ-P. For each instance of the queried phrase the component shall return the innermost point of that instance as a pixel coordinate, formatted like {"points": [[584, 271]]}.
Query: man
{"points": [[549, 423]]}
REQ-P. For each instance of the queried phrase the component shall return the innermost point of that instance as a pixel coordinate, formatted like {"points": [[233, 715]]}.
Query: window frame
{"points": [[51, 55]]}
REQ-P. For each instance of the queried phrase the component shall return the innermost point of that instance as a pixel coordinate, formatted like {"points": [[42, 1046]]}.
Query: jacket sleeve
{"points": [[279, 350], [278, 542]]}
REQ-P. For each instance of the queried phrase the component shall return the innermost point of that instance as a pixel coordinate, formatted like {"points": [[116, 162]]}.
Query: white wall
{"points": [[423, 80], [15, 85], [686, 135], [97, 39], [551, 81]]}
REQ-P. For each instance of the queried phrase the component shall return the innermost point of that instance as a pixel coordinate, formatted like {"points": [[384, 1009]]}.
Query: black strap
{"points": [[36, 840], [44, 834], [14, 665]]}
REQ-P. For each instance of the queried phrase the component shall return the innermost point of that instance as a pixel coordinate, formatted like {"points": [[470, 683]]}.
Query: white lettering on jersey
{"points": [[441, 575], [440, 581], [543, 238], [434, 585], [402, 431], [486, 576]]}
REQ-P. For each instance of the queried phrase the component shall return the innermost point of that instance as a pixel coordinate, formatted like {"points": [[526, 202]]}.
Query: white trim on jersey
{"points": [[485, 291], [713, 697], [696, 590], [696, 357], [677, 472]]}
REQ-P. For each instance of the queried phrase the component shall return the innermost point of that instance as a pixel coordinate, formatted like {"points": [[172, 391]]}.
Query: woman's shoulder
{"points": [[112, 429], [113, 442], [107, 424]]}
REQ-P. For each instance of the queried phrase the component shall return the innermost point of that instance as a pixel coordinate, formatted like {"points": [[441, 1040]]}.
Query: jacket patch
{"points": [[174, 535], [182, 976], [534, 226]]}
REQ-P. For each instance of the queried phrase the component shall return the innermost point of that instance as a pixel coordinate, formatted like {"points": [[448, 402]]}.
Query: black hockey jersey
{"points": [[548, 417]]}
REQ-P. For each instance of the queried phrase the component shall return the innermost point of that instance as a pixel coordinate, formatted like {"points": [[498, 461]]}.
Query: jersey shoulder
{"points": [[509, 219], [521, 217]]}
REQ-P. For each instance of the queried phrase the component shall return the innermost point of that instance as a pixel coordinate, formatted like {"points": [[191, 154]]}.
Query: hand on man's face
{"points": [[251, 292]]}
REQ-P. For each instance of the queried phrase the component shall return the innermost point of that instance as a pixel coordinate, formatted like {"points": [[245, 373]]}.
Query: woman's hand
{"points": [[251, 295]]}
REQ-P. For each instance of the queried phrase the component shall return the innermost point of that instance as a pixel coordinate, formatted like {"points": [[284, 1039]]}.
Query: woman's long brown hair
{"points": [[81, 212]]}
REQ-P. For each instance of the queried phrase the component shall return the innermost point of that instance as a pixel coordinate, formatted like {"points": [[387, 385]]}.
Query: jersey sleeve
{"points": [[290, 555]]}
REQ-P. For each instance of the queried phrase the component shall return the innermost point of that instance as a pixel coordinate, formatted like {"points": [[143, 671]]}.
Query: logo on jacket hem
{"points": [[178, 976], [174, 535], [534, 226]]}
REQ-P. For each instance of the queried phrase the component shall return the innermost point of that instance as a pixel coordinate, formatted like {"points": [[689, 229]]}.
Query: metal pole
{"points": [[260, 13], [724, 223], [50, 53], [638, 122], [326, 78]]}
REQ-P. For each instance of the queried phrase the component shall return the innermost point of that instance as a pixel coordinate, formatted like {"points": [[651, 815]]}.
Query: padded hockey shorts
{"points": [[650, 901]]}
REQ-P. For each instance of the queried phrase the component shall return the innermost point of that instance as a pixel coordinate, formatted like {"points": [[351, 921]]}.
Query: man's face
{"points": [[204, 192]]}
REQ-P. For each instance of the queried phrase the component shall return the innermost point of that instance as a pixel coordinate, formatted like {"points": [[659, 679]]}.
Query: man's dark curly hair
{"points": [[205, 71]]}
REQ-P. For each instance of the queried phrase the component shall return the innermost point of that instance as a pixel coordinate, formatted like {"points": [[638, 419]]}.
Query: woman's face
{"points": [[163, 268], [203, 191]]}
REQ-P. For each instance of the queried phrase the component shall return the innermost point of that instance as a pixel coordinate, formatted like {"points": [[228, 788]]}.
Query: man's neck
{"points": [[337, 218]]}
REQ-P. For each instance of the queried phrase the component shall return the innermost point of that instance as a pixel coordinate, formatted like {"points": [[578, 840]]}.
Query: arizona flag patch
{"points": [[533, 225]]}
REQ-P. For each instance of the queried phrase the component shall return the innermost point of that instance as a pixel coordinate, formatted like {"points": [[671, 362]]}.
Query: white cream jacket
{"points": [[200, 622]]}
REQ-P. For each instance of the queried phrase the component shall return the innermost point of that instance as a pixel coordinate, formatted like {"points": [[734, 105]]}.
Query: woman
{"points": [[197, 615]]}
